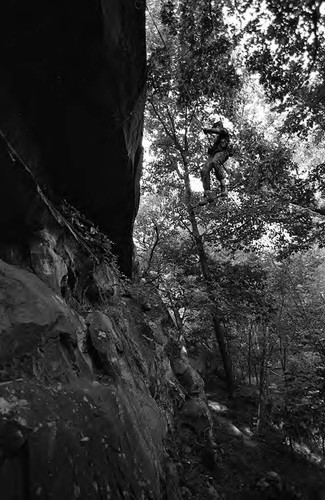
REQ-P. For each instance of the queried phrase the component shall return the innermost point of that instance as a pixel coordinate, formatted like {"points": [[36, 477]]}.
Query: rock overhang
{"points": [[73, 90]]}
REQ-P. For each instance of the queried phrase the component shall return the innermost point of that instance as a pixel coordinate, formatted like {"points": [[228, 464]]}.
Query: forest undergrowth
{"points": [[247, 466]]}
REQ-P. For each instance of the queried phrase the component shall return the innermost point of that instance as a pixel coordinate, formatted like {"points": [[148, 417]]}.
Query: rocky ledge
{"points": [[95, 388]]}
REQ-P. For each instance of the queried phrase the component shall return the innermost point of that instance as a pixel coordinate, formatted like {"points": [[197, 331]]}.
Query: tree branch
{"points": [[171, 135], [154, 107]]}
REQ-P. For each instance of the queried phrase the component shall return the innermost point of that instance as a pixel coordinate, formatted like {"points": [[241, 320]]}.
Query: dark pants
{"points": [[215, 162]]}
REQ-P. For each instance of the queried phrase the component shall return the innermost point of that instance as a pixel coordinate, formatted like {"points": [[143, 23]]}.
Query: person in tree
{"points": [[218, 153]]}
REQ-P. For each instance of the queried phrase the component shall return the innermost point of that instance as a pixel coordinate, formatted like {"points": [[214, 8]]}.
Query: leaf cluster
{"points": [[285, 49]]}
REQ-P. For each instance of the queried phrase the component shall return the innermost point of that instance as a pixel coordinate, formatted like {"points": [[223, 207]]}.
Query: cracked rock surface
{"points": [[91, 387]]}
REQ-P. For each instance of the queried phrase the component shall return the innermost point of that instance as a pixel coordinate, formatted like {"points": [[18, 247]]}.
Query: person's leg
{"points": [[220, 173], [224, 189], [205, 177]]}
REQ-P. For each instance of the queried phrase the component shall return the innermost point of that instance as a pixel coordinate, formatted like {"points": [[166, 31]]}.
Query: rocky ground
{"points": [[245, 466]]}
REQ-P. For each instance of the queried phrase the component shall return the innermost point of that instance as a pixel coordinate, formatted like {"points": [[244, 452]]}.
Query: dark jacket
{"points": [[221, 143]]}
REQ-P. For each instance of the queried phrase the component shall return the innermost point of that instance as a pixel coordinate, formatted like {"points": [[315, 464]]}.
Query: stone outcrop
{"points": [[72, 90], [77, 416], [96, 392], [93, 382]]}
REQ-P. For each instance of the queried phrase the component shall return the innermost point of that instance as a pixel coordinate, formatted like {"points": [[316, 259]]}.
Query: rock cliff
{"points": [[93, 381], [72, 90], [96, 392]]}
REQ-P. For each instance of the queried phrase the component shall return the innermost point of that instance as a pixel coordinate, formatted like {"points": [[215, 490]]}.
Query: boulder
{"points": [[39, 334], [77, 419], [78, 440]]}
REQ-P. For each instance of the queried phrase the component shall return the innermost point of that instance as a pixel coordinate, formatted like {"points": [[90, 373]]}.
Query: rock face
{"points": [[77, 416], [93, 381], [72, 80], [95, 389]]}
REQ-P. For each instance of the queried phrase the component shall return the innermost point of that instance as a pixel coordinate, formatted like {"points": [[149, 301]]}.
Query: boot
{"points": [[208, 196], [224, 192]]}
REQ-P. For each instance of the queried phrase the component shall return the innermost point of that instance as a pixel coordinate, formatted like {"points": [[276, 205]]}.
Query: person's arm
{"points": [[215, 130]]}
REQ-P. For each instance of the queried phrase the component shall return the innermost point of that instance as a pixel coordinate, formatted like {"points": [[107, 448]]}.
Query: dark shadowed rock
{"points": [[72, 79], [88, 396], [39, 334], [74, 421], [83, 441], [92, 400]]}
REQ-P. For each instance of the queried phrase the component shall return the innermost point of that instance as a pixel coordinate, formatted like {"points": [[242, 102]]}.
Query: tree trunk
{"points": [[207, 278], [250, 356], [262, 383], [177, 316]]}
